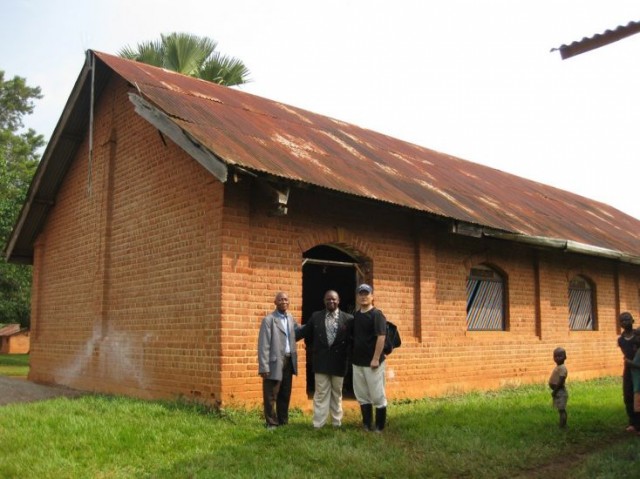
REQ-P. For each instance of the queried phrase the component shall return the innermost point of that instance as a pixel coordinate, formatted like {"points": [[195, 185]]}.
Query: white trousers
{"points": [[368, 385], [327, 398]]}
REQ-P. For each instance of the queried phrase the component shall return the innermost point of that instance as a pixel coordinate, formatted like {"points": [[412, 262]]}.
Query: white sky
{"points": [[474, 79]]}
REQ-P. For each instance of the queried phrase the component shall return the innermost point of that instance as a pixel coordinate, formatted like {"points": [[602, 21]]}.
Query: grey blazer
{"points": [[272, 342]]}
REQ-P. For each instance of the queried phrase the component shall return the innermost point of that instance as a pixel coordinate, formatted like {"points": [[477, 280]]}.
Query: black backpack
{"points": [[392, 339]]}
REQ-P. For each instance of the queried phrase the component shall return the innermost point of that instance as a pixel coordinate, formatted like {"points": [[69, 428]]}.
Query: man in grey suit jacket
{"points": [[328, 333], [278, 361]]}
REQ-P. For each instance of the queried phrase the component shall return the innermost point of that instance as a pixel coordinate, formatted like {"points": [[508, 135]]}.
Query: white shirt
{"points": [[284, 319]]}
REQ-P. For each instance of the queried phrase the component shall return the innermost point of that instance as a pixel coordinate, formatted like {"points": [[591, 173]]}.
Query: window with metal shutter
{"points": [[581, 315], [485, 300]]}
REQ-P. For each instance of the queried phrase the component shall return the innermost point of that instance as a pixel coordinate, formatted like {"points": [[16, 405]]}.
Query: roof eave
{"points": [[567, 246]]}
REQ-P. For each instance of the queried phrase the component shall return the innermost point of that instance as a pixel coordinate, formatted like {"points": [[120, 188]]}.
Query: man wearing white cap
{"points": [[369, 331]]}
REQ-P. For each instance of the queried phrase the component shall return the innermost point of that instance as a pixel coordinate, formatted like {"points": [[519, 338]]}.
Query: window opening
{"points": [[581, 316], [485, 300]]}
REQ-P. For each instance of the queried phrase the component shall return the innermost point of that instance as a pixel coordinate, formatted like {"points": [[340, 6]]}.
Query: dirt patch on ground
{"points": [[18, 390], [562, 467]]}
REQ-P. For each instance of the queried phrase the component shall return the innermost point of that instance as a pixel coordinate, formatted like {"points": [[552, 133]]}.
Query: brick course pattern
{"points": [[151, 278]]}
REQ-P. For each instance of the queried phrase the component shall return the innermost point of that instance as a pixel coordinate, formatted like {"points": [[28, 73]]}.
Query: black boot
{"points": [[381, 418], [367, 416]]}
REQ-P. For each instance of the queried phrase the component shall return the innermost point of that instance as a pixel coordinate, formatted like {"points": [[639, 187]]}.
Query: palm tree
{"points": [[190, 55]]}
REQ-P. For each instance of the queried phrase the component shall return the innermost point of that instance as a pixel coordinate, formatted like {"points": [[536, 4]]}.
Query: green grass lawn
{"points": [[14, 365], [510, 433]]}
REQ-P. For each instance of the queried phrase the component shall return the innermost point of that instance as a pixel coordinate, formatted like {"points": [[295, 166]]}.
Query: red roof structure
{"points": [[232, 132]]}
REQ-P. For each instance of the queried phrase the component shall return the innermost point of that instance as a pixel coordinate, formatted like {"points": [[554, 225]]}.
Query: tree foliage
{"points": [[19, 156], [190, 55]]}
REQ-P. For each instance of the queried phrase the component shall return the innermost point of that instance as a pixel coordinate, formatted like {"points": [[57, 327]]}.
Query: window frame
{"points": [[581, 290], [491, 289]]}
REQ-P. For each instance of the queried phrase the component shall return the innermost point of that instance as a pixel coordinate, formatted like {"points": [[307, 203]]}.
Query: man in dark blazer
{"points": [[278, 361], [328, 334]]}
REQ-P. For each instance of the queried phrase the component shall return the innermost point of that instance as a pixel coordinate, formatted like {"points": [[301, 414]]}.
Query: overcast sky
{"points": [[473, 79]]}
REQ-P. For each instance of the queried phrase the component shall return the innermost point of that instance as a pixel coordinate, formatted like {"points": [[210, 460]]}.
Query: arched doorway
{"points": [[326, 267]]}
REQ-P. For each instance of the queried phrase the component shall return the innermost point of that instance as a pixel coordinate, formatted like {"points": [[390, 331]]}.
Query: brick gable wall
{"points": [[126, 282]]}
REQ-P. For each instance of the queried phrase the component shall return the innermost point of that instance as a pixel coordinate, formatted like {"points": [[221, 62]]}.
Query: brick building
{"points": [[167, 211], [14, 339]]}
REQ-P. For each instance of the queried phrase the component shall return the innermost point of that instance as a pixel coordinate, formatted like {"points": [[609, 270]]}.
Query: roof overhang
{"points": [[598, 40], [163, 123]]}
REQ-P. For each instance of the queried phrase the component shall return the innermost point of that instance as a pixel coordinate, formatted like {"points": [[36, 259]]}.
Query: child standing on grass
{"points": [[557, 385]]}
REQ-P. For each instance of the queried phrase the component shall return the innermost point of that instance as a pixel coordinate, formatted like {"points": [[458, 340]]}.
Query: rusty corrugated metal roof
{"points": [[271, 138], [598, 40]]}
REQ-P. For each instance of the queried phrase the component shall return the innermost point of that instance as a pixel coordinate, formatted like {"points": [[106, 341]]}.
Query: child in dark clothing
{"points": [[557, 385]]}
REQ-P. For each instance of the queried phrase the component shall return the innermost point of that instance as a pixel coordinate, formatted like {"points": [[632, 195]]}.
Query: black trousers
{"points": [[276, 396], [627, 393]]}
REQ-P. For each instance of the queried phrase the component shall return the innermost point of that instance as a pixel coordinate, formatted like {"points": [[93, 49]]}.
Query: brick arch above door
{"points": [[340, 238]]}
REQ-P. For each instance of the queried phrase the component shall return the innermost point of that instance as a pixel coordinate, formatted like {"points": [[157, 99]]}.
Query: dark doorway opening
{"points": [[324, 268]]}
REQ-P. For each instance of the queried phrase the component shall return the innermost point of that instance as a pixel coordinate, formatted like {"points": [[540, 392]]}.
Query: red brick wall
{"points": [[438, 354], [155, 282], [127, 283]]}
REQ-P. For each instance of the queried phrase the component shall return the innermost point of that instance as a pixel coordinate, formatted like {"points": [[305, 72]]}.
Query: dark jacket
{"points": [[332, 360]]}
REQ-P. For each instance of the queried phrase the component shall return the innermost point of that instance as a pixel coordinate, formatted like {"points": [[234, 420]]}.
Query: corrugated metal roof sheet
{"points": [[268, 137], [598, 40]]}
